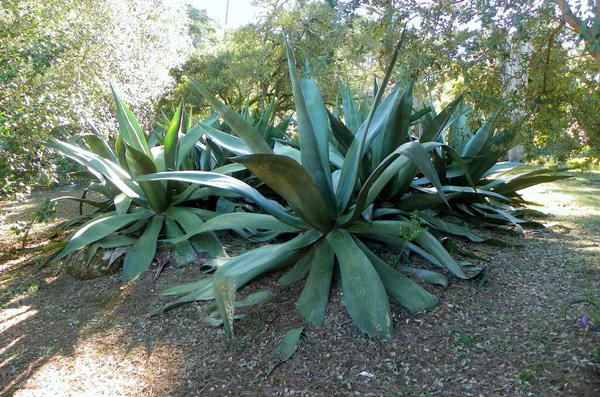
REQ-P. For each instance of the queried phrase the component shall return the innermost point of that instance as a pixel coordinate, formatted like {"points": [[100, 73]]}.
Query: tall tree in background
{"points": [[249, 64], [58, 59], [469, 43]]}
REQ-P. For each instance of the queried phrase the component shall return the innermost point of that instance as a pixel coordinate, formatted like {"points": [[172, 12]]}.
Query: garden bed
{"points": [[516, 336]]}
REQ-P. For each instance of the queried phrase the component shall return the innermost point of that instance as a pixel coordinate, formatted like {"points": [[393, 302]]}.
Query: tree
{"points": [[59, 59], [469, 44], [585, 23], [248, 66]]}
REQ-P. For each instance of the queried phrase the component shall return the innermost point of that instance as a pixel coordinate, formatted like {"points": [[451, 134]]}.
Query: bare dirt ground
{"points": [[517, 336]]}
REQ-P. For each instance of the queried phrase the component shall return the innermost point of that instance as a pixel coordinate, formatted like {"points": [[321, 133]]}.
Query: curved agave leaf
{"points": [[351, 114], [231, 185], [139, 257], [313, 131], [341, 133], [392, 166], [364, 292], [349, 174], [425, 240], [100, 228], [525, 181], [177, 127], [495, 148], [428, 201], [374, 124], [317, 114], [185, 195], [237, 220], [290, 180], [92, 203], [243, 268], [183, 252], [335, 157], [99, 146], [396, 130], [417, 153], [229, 169], [121, 156], [400, 184], [457, 230], [190, 287], [312, 303], [300, 269], [129, 128], [241, 127], [198, 291], [107, 242], [441, 122], [503, 166], [188, 221], [490, 213], [404, 244], [481, 137], [187, 143], [400, 288], [122, 203], [154, 191], [427, 276], [101, 167], [477, 195], [232, 143]]}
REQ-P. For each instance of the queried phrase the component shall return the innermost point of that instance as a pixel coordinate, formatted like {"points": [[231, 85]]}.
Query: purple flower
{"points": [[585, 321]]}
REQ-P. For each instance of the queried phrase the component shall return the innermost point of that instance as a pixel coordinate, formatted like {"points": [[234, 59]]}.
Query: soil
{"points": [[518, 335]]}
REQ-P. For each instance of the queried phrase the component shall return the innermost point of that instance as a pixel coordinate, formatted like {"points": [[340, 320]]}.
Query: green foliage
{"points": [[43, 214], [538, 67], [325, 212], [483, 189], [246, 68], [144, 210], [58, 58]]}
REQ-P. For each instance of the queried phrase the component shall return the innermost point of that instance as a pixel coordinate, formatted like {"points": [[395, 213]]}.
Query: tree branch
{"points": [[569, 17]]}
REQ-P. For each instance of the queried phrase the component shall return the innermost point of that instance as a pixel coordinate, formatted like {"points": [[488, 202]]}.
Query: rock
{"points": [[104, 262]]}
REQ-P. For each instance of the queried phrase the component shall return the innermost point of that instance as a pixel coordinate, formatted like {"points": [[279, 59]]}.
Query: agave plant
{"points": [[494, 198], [263, 121], [325, 208], [138, 214]]}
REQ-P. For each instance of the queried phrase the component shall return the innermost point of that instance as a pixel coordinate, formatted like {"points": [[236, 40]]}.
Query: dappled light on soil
{"points": [[11, 317], [508, 339], [97, 363]]}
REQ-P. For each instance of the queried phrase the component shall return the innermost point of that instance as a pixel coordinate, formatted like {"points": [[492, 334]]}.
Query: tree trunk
{"points": [[577, 24], [515, 82]]}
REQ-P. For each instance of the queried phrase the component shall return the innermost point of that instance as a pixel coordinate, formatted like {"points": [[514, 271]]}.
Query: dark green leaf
{"points": [[140, 255], [364, 292], [312, 303]]}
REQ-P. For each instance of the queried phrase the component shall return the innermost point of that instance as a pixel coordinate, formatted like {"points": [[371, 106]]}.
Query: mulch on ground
{"points": [[519, 335]]}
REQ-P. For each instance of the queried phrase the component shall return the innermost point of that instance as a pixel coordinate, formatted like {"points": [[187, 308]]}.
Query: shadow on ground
{"points": [[63, 337]]}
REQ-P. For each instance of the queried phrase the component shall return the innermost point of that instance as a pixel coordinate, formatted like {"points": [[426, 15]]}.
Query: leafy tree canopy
{"points": [[58, 60]]}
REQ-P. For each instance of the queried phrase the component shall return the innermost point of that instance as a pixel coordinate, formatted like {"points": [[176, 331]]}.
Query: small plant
{"points": [[583, 163], [533, 371], [43, 214]]}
